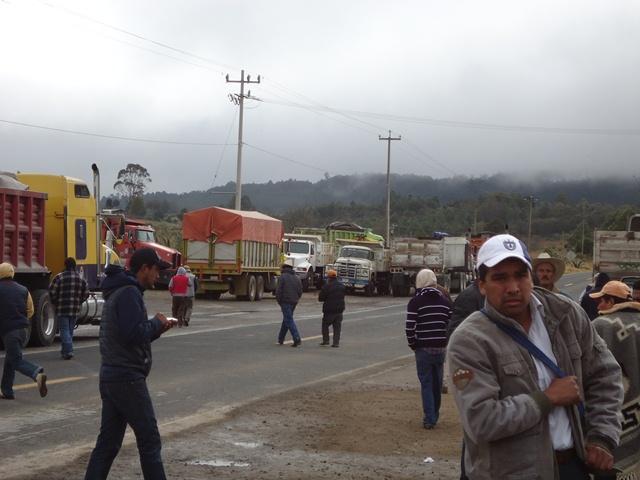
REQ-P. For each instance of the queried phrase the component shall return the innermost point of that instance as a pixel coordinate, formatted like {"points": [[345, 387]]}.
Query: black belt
{"points": [[565, 456]]}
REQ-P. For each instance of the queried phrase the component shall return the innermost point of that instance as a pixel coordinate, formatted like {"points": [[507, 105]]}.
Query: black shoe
{"points": [[67, 356], [324, 344], [296, 344], [428, 426], [41, 380], [4, 396], [335, 346], [280, 343]]}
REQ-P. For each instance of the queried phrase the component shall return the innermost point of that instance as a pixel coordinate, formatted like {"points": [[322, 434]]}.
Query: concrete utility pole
{"points": [[239, 100], [388, 140], [532, 200]]}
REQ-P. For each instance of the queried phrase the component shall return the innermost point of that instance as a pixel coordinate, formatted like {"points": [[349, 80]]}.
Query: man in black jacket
{"points": [[126, 334], [16, 307], [288, 293], [332, 294]]}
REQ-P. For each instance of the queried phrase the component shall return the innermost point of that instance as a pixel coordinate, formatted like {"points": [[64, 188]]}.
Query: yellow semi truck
{"points": [[53, 218]]}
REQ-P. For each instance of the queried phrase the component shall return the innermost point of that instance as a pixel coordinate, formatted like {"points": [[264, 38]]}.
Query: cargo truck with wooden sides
{"points": [[617, 252], [233, 251]]}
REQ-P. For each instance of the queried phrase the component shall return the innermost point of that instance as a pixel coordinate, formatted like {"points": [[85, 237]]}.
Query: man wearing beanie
{"points": [[16, 308], [428, 314], [538, 391], [619, 326]]}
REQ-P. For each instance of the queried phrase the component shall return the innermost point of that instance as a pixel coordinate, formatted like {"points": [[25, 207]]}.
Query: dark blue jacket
{"points": [[289, 289], [13, 306], [126, 332], [332, 294]]}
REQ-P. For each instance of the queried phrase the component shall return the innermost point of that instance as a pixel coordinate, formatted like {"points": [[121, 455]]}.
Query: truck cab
{"points": [[363, 268], [302, 255], [131, 234]]}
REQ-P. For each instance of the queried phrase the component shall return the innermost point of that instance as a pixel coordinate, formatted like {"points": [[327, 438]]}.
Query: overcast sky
{"points": [[410, 66]]}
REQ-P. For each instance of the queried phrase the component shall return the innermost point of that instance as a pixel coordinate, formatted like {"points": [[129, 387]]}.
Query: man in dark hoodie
{"points": [[126, 334], [428, 315]]}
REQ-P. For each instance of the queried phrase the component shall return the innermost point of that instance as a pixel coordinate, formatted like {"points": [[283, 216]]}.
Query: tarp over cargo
{"points": [[229, 226]]}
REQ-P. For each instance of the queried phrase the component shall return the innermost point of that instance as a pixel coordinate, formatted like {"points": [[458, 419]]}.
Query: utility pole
{"points": [[239, 100], [583, 222], [388, 140], [531, 199]]}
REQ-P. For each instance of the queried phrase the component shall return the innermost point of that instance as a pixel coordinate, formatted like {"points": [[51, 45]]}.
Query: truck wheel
{"points": [[251, 288], [306, 283], [259, 288], [43, 322]]}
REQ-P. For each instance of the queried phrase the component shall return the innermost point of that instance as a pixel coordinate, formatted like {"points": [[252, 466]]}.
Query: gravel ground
{"points": [[366, 425]]}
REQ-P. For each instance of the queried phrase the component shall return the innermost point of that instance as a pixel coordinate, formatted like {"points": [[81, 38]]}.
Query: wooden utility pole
{"points": [[239, 100], [388, 140]]}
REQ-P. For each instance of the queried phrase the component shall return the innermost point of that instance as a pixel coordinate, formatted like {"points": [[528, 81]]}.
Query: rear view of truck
{"points": [[617, 252], [22, 243]]}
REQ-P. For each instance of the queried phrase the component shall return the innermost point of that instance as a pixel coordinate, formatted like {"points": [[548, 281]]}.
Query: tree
{"points": [[132, 181]]}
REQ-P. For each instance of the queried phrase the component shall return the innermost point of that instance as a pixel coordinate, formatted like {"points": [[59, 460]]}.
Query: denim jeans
{"points": [[126, 403], [287, 323], [66, 324], [430, 367], [13, 361]]}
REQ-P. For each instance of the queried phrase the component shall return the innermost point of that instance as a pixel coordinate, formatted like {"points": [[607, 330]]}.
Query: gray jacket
{"points": [[503, 411], [289, 289], [620, 328]]}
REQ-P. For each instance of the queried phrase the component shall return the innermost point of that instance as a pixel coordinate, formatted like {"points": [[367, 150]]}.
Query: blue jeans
{"points": [[13, 361], [66, 324], [430, 367], [287, 323], [126, 403]]}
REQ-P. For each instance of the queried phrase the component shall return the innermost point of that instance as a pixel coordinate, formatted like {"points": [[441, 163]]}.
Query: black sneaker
{"points": [[67, 356], [41, 380], [335, 346], [324, 344], [4, 396], [296, 343]]}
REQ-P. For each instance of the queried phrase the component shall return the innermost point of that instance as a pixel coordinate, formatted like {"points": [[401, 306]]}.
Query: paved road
{"points": [[228, 357]]}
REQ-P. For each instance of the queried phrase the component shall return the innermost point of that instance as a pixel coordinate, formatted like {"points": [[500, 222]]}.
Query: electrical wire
{"points": [[224, 149], [277, 155], [113, 137]]}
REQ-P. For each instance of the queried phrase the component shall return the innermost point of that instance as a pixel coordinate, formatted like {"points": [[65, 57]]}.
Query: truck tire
{"points": [[259, 287], [43, 322], [252, 287], [306, 283]]}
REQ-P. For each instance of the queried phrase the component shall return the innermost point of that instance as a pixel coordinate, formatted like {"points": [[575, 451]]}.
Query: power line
{"points": [[224, 149], [135, 35], [277, 155], [464, 124], [113, 137]]}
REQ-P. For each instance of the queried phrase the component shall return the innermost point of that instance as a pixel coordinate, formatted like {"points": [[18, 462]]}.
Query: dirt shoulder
{"points": [[364, 426]]}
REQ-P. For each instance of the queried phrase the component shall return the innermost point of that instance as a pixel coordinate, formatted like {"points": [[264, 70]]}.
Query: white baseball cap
{"points": [[501, 247]]}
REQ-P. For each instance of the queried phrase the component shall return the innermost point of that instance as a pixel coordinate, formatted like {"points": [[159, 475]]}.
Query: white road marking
{"points": [[56, 381]]}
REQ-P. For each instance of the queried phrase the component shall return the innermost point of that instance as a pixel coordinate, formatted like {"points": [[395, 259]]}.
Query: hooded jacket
{"points": [[620, 328], [126, 332], [332, 296], [503, 411]]}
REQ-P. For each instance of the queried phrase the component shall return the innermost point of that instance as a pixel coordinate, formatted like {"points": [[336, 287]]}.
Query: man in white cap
{"points": [[548, 270], [538, 391], [16, 308], [619, 326]]}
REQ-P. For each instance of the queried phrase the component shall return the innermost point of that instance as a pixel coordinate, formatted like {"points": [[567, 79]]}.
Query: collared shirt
{"points": [[559, 424], [67, 292]]}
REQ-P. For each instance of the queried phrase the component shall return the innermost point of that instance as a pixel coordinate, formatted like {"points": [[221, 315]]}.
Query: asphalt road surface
{"points": [[226, 358]]}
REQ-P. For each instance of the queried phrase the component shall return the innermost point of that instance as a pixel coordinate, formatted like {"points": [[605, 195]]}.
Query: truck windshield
{"points": [[354, 253], [146, 236], [298, 247]]}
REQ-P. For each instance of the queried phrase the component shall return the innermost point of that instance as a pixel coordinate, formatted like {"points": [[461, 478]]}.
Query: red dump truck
{"points": [[233, 251]]}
